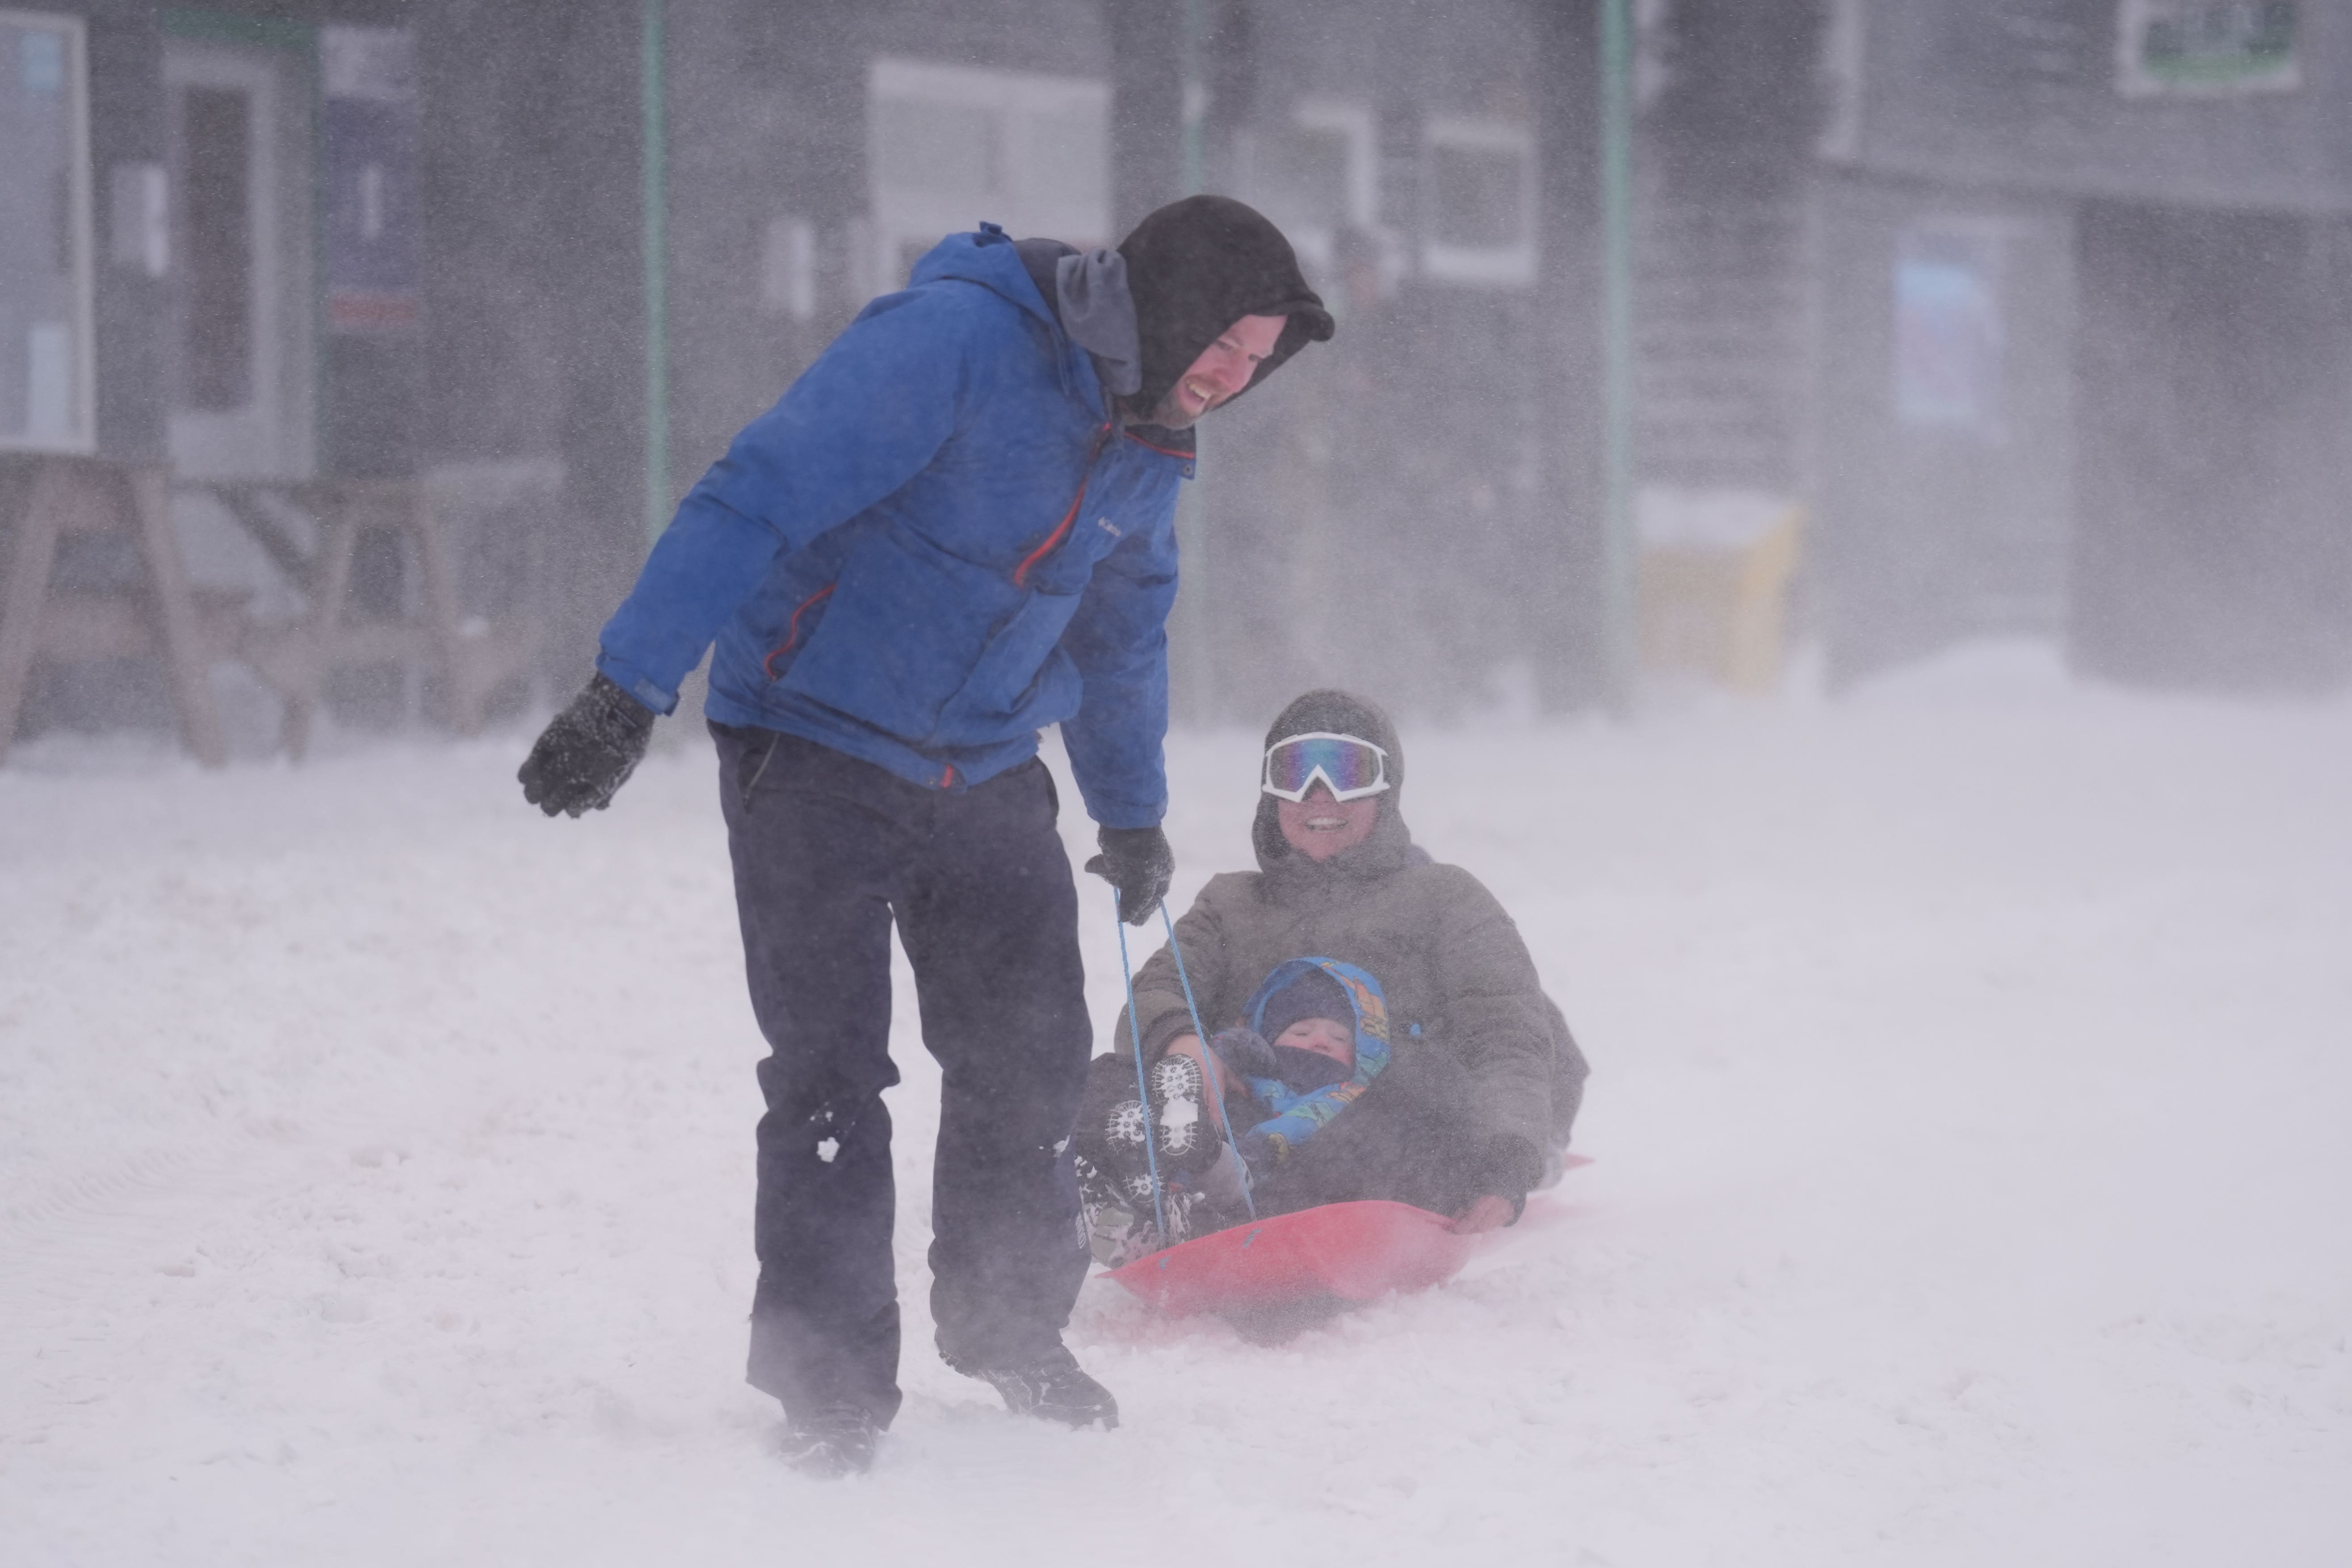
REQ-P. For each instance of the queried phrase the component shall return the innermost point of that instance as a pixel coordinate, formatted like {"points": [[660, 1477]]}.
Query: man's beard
{"points": [[1170, 414]]}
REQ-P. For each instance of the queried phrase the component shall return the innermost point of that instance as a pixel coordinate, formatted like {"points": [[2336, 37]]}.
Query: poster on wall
{"points": [[46, 393], [368, 123], [2205, 47], [1950, 341]]}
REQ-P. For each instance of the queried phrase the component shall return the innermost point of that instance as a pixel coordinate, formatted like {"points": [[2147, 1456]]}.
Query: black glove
{"points": [[1508, 1167], [1138, 863], [587, 752], [1244, 1051]]}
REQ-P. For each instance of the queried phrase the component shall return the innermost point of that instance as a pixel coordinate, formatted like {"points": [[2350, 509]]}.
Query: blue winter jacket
{"points": [[937, 542]]}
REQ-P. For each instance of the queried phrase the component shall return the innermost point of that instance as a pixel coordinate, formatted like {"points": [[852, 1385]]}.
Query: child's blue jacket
{"points": [[937, 542]]}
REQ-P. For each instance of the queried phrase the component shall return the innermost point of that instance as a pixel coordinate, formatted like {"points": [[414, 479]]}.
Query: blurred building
{"points": [[2048, 319], [538, 262], [2035, 308]]}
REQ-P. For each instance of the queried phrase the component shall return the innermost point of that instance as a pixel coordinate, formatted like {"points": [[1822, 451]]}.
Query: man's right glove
{"points": [[587, 752], [1138, 863]]}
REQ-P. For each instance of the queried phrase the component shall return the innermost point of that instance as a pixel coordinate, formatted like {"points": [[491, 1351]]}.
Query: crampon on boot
{"points": [[1176, 1123]]}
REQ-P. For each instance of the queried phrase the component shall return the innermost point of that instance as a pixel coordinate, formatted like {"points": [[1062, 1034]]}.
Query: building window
{"points": [[1480, 205], [1315, 175], [47, 396], [951, 145], [216, 321], [2205, 47], [241, 121]]}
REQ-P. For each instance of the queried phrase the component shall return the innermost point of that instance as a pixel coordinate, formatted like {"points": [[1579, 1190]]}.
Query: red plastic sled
{"points": [[1353, 1252]]}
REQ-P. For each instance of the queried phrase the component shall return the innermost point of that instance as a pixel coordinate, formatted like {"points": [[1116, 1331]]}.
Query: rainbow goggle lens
{"points": [[1350, 768]]}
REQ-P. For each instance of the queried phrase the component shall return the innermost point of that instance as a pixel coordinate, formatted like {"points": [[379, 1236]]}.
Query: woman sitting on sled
{"points": [[1378, 1030]]}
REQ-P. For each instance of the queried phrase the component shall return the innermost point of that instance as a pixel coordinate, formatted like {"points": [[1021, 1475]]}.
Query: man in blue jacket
{"points": [[956, 527]]}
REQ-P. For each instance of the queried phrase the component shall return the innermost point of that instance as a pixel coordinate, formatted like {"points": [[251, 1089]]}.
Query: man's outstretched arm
{"points": [[862, 421]]}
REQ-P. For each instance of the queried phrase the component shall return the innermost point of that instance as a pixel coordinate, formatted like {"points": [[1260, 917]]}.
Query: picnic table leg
{"points": [[35, 554], [176, 615], [339, 535], [460, 667]]}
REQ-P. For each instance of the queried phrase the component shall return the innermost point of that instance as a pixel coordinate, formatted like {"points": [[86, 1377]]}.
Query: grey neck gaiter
{"points": [[1098, 313]]}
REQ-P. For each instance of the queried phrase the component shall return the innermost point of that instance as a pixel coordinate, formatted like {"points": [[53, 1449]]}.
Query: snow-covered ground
{"points": [[1973, 1058]]}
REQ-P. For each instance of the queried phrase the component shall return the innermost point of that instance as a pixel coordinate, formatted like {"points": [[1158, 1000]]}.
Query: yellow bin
{"points": [[1715, 571]]}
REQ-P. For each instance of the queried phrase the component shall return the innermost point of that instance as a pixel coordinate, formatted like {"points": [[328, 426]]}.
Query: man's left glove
{"points": [[587, 752], [1138, 863]]}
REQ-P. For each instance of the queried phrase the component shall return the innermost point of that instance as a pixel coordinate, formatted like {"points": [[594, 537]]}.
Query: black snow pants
{"points": [[828, 851]]}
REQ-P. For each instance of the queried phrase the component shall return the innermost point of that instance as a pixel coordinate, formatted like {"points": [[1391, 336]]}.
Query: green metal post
{"points": [[1617, 341], [1194, 632], [655, 230], [1196, 24]]}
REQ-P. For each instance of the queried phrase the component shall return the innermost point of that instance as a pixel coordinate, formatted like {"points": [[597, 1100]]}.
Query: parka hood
{"points": [[1389, 847], [1197, 265]]}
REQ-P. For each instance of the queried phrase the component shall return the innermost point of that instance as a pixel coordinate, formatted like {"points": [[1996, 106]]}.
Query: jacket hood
{"points": [[991, 260], [1389, 846], [1197, 265]]}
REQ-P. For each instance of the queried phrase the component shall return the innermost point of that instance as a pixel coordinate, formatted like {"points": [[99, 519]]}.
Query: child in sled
{"points": [[1210, 1136], [1461, 1081]]}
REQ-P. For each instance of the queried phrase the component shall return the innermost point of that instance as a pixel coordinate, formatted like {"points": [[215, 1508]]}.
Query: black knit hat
{"points": [[1195, 267]]}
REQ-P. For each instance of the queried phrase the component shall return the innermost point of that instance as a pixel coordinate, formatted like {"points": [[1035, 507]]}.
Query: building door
{"points": [[1943, 434], [2215, 376], [241, 366]]}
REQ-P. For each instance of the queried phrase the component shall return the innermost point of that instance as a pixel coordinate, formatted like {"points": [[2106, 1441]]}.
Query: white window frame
{"points": [[1353, 121], [1500, 266], [275, 436], [82, 438], [903, 217]]}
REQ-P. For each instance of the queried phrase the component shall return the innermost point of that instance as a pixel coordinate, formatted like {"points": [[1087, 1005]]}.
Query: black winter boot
{"points": [[1176, 1121], [1182, 1117], [832, 1441], [1051, 1388], [1122, 1222], [1171, 1113]]}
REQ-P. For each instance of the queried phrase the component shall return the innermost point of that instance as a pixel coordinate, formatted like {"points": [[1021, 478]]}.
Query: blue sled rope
{"points": [[1142, 1093], [1208, 1057]]}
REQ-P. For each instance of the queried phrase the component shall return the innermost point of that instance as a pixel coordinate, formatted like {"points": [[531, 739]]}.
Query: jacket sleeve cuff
{"points": [[1105, 814], [637, 684], [1163, 1031]]}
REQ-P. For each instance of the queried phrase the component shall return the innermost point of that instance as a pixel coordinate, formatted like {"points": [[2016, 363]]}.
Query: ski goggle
{"points": [[1350, 768]]}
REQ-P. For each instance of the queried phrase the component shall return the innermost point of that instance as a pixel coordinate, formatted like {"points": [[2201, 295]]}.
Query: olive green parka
{"points": [[1470, 1025]]}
